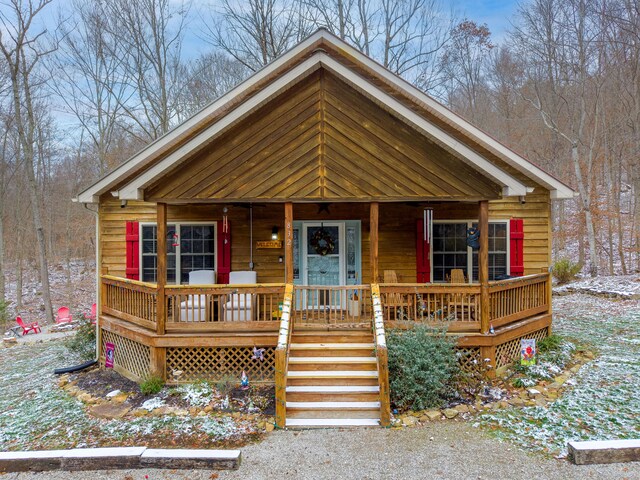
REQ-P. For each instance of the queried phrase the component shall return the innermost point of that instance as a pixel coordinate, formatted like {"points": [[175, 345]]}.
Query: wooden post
{"points": [[161, 309], [158, 358], [489, 352], [281, 386], [288, 242], [383, 381], [483, 265], [373, 241]]}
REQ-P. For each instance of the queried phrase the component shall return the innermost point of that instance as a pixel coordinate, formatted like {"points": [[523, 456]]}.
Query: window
{"points": [[189, 247], [450, 250]]}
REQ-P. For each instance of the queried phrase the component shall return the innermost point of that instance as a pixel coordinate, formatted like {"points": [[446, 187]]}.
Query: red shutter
{"points": [[132, 251], [516, 239], [423, 263], [224, 252]]}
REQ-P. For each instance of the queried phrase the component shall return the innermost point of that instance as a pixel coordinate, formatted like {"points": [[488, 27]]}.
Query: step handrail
{"points": [[282, 356], [382, 355]]}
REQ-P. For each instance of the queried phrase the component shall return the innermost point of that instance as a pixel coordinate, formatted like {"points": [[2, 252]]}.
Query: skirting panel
{"points": [[509, 351], [212, 363], [469, 358], [131, 358]]}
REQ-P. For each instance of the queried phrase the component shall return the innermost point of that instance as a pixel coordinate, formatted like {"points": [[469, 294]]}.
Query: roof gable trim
{"points": [[134, 190]]}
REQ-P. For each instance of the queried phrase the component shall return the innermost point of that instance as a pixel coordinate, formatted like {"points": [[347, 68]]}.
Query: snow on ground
{"points": [[621, 286], [604, 402], [35, 413]]}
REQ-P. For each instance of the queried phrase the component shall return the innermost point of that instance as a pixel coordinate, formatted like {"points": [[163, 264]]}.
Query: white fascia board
{"points": [[134, 190], [558, 189], [511, 186], [92, 194]]}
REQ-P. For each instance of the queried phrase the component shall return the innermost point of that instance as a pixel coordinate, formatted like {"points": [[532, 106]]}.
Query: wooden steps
{"points": [[332, 380]]}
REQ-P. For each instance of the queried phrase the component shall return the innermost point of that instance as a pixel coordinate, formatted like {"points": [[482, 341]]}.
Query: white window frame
{"points": [[178, 225], [469, 223]]}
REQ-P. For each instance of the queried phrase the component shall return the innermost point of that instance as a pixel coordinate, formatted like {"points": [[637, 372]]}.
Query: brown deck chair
{"points": [[393, 301]]}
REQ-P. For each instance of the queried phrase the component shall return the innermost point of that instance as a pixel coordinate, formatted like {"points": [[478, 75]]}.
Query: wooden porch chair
{"points": [[457, 276], [393, 301]]}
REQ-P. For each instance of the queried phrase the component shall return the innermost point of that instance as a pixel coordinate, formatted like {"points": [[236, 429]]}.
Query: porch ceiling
{"points": [[322, 140]]}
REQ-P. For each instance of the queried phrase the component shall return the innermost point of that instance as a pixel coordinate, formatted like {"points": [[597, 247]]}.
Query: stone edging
{"points": [[118, 458]]}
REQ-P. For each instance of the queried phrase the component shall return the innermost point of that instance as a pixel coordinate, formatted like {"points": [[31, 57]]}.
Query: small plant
{"points": [[151, 385], [549, 344], [83, 343], [226, 384], [422, 367], [564, 270]]}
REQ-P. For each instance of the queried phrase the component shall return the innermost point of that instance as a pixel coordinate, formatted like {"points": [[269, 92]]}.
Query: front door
{"points": [[323, 253]]}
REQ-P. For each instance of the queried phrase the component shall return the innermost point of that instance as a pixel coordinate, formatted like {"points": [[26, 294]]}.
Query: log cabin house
{"points": [[318, 203]]}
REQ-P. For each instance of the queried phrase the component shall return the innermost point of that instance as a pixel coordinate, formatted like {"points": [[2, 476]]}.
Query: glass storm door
{"points": [[323, 253]]}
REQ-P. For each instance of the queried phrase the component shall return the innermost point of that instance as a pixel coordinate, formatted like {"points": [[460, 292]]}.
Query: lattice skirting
{"points": [[212, 363], [509, 351], [468, 357], [131, 358]]}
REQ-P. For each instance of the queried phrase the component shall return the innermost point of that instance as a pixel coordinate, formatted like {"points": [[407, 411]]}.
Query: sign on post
{"points": [[109, 354], [528, 351]]}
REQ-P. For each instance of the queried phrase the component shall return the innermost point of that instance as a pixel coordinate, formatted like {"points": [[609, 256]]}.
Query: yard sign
{"points": [[528, 351], [109, 353]]}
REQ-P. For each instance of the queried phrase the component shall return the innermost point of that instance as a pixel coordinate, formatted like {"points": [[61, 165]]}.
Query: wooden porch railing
{"points": [[130, 300], [322, 305], [282, 357], [382, 356], [518, 298], [215, 307], [457, 305]]}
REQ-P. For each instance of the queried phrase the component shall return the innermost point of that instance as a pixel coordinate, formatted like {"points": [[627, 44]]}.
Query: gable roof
{"points": [[322, 50]]}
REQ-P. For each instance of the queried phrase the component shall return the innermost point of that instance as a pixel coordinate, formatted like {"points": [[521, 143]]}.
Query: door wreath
{"points": [[322, 242]]}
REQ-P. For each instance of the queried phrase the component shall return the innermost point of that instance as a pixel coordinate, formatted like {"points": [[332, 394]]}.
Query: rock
{"points": [[541, 401], [181, 412], [433, 415], [201, 413], [424, 419], [269, 427], [113, 393], [409, 420], [462, 408], [120, 398], [193, 411], [140, 412], [84, 397], [260, 425], [208, 409], [236, 415], [517, 402], [109, 410], [63, 380], [450, 413], [503, 404], [532, 392]]}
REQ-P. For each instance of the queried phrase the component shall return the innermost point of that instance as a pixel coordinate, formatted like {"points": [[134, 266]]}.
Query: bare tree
{"points": [[257, 31], [151, 32], [88, 69], [560, 40], [23, 51]]}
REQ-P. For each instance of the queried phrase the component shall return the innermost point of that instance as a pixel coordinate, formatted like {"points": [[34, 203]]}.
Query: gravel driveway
{"points": [[444, 450]]}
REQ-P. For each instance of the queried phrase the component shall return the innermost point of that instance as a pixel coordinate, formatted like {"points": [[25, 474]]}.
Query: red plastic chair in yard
{"points": [[28, 327], [64, 315], [91, 316]]}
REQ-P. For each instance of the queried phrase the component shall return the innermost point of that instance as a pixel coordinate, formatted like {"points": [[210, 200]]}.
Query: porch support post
{"points": [[483, 265], [161, 308], [288, 243], [373, 241]]}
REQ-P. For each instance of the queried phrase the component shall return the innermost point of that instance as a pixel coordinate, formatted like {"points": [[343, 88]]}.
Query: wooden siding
{"points": [[322, 140], [396, 230]]}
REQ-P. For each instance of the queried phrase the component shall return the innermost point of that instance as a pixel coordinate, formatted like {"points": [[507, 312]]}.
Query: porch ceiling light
{"points": [[274, 233]]}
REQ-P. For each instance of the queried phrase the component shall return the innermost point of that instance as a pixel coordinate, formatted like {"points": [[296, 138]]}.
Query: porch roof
{"points": [[470, 163]]}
